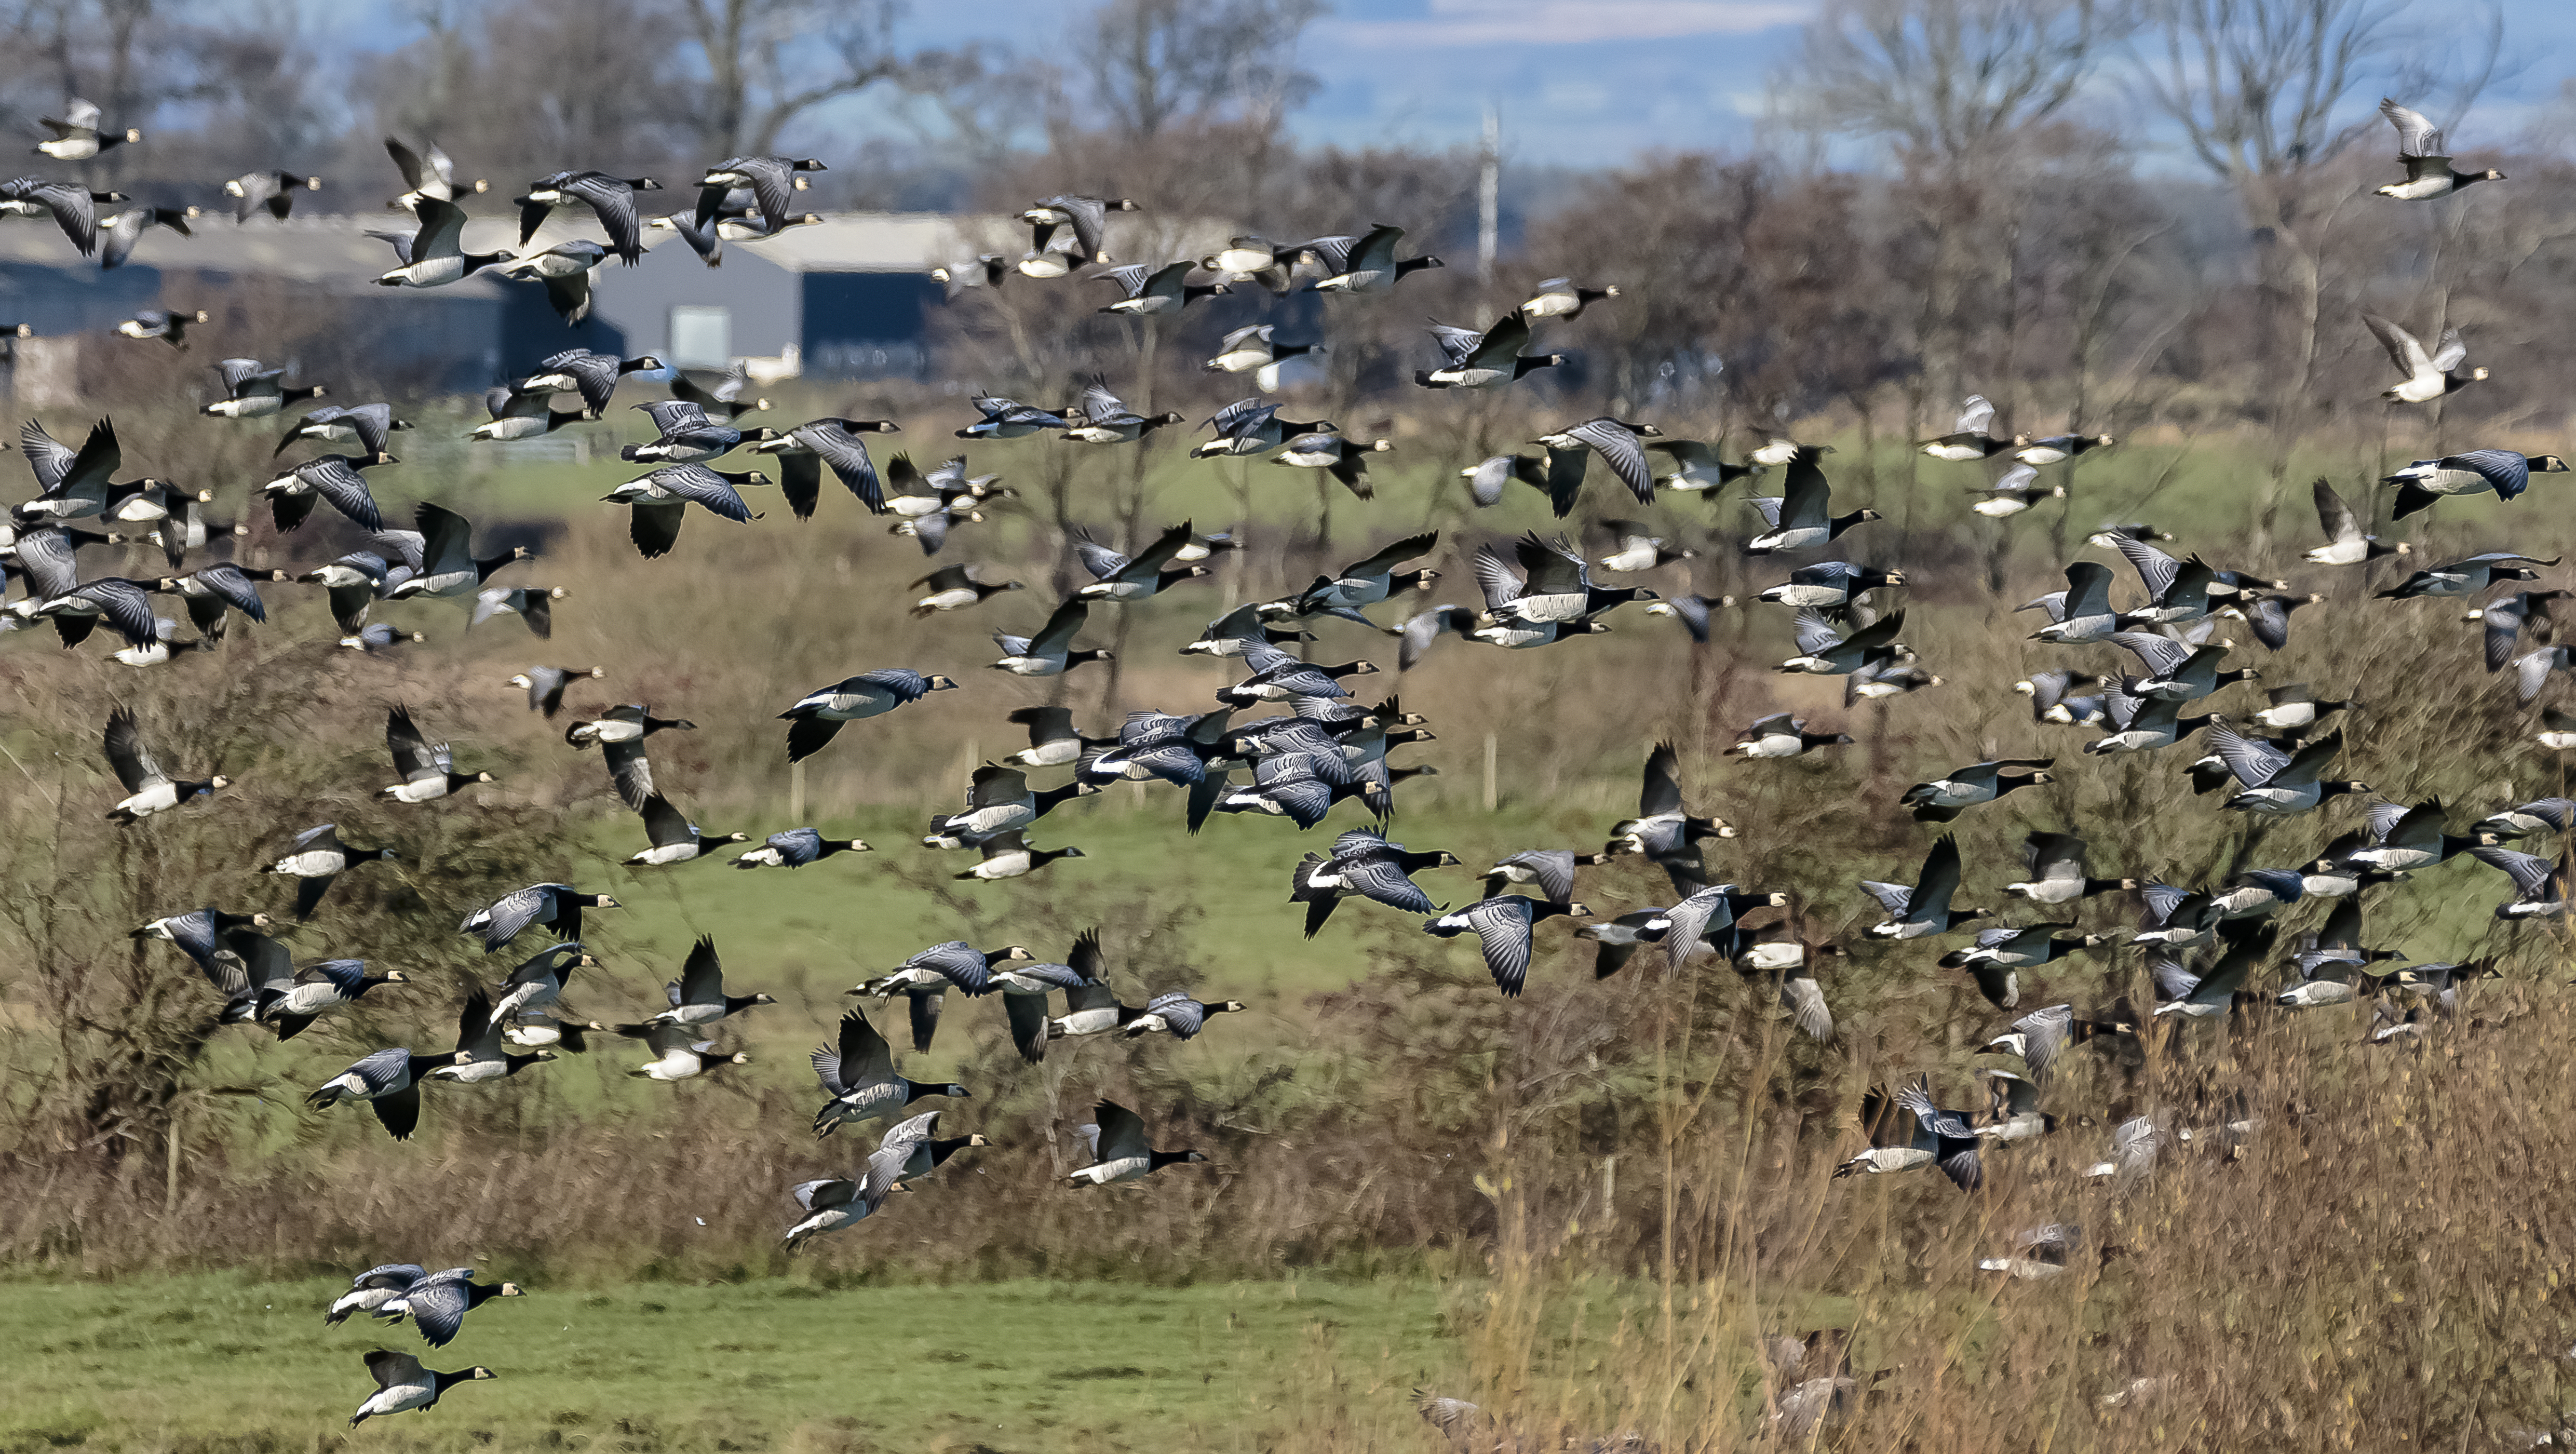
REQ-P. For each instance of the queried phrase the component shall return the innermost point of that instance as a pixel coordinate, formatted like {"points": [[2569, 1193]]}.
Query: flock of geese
{"points": [[2146, 661]]}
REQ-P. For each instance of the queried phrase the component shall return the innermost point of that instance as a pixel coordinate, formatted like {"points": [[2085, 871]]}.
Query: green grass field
{"points": [[211, 1363]]}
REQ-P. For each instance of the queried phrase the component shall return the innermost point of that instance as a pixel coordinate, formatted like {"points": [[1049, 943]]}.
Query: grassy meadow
{"points": [[1583, 1208], [183, 1363]]}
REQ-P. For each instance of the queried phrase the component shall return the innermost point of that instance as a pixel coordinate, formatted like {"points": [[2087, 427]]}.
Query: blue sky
{"points": [[1589, 81]]}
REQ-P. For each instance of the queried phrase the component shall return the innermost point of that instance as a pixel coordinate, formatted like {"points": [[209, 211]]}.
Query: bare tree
{"points": [[2257, 86], [1949, 77], [1152, 62], [770, 61]]}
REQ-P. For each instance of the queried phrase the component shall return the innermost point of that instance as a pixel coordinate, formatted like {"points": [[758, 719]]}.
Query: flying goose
{"points": [[1008, 855], [677, 1054], [1175, 1013], [1801, 517], [2427, 376], [1363, 264], [1640, 548], [428, 770], [1783, 735], [1485, 360], [1829, 583], [2214, 993], [437, 1304], [326, 477], [662, 498], [1690, 925], [1087, 217], [1944, 798], [124, 605], [1049, 653], [2428, 167], [371, 425], [118, 237], [517, 416], [1823, 651], [2015, 491], [2277, 783], [1504, 926], [2058, 448], [1560, 298], [537, 984], [1103, 419], [253, 392], [290, 1007], [1118, 578], [73, 207], [555, 906], [2055, 862], [1691, 611], [2467, 576], [925, 979], [148, 789], [1009, 419], [388, 1081], [211, 591], [2177, 672], [802, 452], [1344, 459], [1256, 350], [2540, 888], [2404, 838], [1250, 426], [1552, 585], [1907, 1131], [2507, 472], [1363, 863], [2508, 616], [818, 714], [1664, 830], [479, 1055], [998, 801], [315, 859], [1999, 954], [1229, 634], [611, 199], [1619, 442], [425, 173], [2542, 815], [832, 1203], [594, 376], [1697, 467], [1053, 742], [1972, 438], [370, 1290], [1923, 910], [1150, 291], [532, 604], [434, 255], [2081, 614], [684, 434], [796, 848], [674, 838], [773, 182], [566, 269], [1367, 582], [168, 325], [858, 1074], [403, 1385], [2042, 1035], [78, 136], [1119, 1150], [2345, 544]]}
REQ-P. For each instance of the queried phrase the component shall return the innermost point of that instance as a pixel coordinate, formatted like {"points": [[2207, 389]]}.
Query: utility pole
{"points": [[1489, 197]]}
